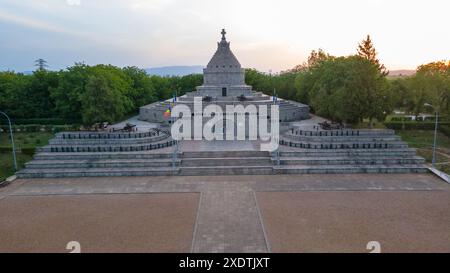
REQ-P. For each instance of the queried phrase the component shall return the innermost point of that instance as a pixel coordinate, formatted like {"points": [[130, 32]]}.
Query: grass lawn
{"points": [[6, 165], [21, 140], [423, 141], [26, 140]]}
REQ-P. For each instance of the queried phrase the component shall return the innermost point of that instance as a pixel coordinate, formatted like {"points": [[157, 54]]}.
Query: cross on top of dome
{"points": [[223, 34]]}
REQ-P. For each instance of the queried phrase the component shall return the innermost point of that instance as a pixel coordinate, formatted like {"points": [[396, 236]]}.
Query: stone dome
{"points": [[223, 58], [224, 68]]}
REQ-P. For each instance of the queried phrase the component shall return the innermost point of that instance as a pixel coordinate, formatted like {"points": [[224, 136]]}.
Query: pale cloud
{"points": [[35, 23], [73, 2]]}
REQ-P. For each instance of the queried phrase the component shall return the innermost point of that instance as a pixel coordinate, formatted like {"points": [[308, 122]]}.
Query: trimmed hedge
{"points": [[31, 128], [413, 125], [409, 119], [45, 121], [4, 150], [26, 151], [396, 119], [445, 129]]}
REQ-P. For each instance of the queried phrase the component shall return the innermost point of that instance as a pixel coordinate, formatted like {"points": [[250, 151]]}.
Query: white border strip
{"points": [[194, 233], [440, 174], [262, 223]]}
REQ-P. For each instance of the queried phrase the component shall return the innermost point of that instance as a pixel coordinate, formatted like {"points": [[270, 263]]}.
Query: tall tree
{"points": [[314, 58], [41, 64], [71, 86], [367, 50], [142, 92], [102, 101], [431, 84], [347, 89]]}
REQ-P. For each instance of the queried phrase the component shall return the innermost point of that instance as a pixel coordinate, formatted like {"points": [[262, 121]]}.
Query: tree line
{"points": [[87, 94]]}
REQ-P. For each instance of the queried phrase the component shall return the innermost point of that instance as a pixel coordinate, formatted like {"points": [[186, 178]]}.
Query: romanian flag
{"points": [[167, 113]]}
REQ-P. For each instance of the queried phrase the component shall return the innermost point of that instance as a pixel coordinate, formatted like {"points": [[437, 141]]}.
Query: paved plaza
{"points": [[283, 213]]}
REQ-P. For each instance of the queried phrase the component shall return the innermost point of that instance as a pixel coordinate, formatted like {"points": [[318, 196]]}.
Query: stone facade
{"points": [[224, 76]]}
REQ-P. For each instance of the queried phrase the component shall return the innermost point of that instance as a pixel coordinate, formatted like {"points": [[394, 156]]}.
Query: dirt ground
{"points": [[345, 221], [162, 222], [253, 213]]}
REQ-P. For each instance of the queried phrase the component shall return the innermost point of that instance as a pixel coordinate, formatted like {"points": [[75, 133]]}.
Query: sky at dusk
{"points": [[267, 35]]}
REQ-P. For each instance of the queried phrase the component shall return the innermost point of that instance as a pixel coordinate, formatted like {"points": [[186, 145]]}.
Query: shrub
{"points": [[445, 129], [61, 128], [28, 151], [5, 150], [401, 119], [412, 125], [31, 128], [46, 121]]}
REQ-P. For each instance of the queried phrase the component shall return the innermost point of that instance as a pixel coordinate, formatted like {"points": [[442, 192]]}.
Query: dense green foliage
{"points": [[85, 93], [430, 85], [29, 128], [346, 89]]}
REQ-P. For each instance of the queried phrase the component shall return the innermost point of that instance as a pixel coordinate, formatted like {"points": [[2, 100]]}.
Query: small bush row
{"points": [[45, 121], [413, 125], [418, 119], [26, 151], [31, 128], [445, 129]]}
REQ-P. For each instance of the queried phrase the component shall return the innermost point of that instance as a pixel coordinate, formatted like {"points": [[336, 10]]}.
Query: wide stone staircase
{"points": [[345, 151], [78, 154], [226, 163]]}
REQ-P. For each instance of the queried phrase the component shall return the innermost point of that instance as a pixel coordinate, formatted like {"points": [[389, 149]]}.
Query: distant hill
{"points": [[401, 73], [175, 70]]}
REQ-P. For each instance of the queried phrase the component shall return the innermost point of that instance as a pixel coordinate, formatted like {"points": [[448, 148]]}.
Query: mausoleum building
{"points": [[224, 84]]}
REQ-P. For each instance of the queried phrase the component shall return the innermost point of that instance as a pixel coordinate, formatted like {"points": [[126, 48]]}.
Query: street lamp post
{"points": [[433, 161], [12, 140]]}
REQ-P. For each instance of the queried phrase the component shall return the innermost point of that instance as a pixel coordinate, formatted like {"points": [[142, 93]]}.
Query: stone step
{"points": [[377, 160], [344, 145], [222, 154], [298, 152], [127, 163], [113, 141], [227, 170], [350, 132], [226, 161], [105, 155], [106, 148], [86, 135], [341, 169], [392, 138], [91, 172], [343, 140]]}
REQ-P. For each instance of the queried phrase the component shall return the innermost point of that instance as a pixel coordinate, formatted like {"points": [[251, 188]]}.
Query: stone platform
{"points": [[153, 153]]}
